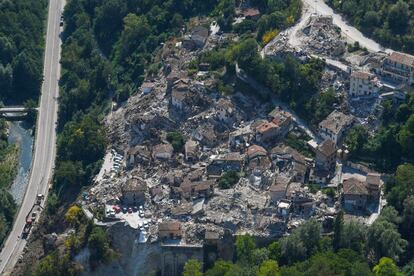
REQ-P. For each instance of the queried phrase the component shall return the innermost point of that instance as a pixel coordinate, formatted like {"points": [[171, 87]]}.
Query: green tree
{"points": [[73, 215], [221, 268], [383, 239], [260, 255], [192, 268], [386, 267], [99, 246], [228, 179], [269, 268], [407, 224], [406, 137], [177, 140], [398, 17], [356, 138], [245, 245], [338, 230], [274, 251], [402, 187], [353, 236]]}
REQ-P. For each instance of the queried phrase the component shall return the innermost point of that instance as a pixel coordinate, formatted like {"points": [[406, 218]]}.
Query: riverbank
{"points": [[20, 134], [9, 160], [8, 168]]}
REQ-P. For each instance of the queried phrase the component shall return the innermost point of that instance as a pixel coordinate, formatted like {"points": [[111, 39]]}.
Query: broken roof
{"points": [[266, 126], [336, 121], [134, 185], [211, 235], [169, 226], [374, 179], [191, 147], [286, 152], [361, 75], [162, 148], [353, 186], [199, 33], [255, 150], [327, 147], [280, 184], [402, 58]]}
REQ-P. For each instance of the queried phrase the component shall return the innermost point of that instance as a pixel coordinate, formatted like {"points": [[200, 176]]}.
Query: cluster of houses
{"points": [[218, 141], [396, 68]]}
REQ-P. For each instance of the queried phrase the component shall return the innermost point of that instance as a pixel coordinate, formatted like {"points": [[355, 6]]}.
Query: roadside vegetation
{"points": [[21, 63], [8, 170], [388, 22], [60, 262]]}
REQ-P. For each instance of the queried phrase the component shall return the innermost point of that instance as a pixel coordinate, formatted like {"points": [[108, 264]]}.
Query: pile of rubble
{"points": [[322, 37]]}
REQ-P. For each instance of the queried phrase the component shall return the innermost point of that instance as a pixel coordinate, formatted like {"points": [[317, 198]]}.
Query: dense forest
{"points": [[21, 49], [388, 22]]}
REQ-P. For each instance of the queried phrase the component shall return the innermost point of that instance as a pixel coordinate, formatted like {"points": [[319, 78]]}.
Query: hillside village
{"points": [[189, 167]]}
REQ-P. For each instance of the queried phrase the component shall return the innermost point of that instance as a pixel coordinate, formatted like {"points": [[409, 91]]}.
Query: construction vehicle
{"points": [[39, 198], [27, 228]]}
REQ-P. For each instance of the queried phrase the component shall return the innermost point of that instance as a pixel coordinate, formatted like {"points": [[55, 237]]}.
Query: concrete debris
{"points": [[175, 193]]}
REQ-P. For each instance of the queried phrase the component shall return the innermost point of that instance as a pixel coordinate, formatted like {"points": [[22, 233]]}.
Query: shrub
{"points": [[229, 179]]}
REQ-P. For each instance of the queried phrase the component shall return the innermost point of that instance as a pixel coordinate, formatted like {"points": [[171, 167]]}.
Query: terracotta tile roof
{"points": [[353, 186], [402, 58], [327, 147], [264, 127], [374, 179], [280, 184], [336, 121], [361, 75], [255, 150], [169, 226]]}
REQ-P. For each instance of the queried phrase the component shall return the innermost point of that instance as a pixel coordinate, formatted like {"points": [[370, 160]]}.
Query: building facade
{"points": [[363, 84]]}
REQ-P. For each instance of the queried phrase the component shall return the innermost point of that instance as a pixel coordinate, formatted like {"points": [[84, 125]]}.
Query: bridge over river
{"points": [[14, 112]]}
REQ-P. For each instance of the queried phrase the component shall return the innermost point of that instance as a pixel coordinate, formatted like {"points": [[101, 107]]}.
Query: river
{"points": [[20, 134]]}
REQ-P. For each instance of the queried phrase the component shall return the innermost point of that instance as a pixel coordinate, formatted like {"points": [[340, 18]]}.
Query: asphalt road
{"points": [[45, 142]]}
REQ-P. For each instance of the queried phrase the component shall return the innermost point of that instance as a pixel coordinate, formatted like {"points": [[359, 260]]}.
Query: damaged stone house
{"points": [[138, 155], [197, 39], [196, 189], [279, 188], [225, 110], [133, 191], [170, 230], [233, 161], [162, 152], [287, 159], [191, 151], [257, 159], [357, 193], [335, 126], [241, 138], [398, 67]]}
